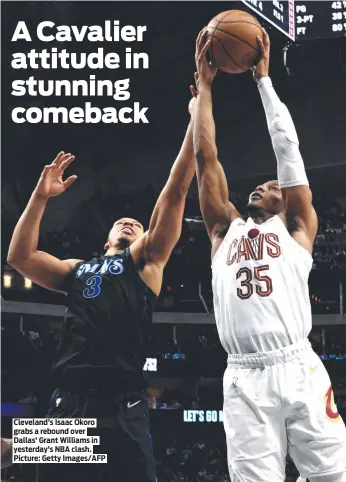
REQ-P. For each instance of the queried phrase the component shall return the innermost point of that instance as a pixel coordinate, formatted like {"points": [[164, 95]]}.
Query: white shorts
{"points": [[277, 401]]}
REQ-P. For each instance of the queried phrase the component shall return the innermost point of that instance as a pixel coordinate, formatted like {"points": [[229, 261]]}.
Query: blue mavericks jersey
{"points": [[106, 326]]}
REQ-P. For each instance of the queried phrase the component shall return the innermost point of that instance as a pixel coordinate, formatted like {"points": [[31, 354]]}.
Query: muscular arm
{"points": [[166, 220], [216, 208], [42, 268]]}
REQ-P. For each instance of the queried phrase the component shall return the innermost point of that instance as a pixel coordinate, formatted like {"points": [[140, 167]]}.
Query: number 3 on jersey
{"points": [[94, 282], [246, 289]]}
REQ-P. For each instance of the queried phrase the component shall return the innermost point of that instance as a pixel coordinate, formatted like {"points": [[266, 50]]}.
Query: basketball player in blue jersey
{"points": [[277, 393], [98, 368]]}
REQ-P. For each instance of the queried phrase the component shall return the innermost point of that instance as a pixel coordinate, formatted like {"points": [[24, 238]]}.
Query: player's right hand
{"points": [[206, 72], [262, 67], [51, 183]]}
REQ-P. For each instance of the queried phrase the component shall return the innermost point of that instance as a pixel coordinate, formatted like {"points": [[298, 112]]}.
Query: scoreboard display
{"points": [[278, 13], [316, 20], [303, 20]]}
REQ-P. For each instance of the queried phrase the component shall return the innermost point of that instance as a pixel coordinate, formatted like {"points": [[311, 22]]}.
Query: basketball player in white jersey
{"points": [[277, 393]]}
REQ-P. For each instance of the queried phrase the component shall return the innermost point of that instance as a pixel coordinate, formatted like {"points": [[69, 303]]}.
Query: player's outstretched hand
{"points": [[193, 90], [206, 72], [262, 68], [51, 183]]}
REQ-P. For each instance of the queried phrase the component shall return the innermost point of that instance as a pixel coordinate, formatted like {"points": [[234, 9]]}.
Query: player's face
{"points": [[125, 229], [267, 197]]}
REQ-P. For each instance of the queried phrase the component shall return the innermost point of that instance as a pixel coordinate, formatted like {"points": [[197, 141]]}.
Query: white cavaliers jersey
{"points": [[260, 287]]}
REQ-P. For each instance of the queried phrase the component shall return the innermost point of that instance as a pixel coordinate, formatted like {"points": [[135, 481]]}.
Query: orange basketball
{"points": [[234, 48]]}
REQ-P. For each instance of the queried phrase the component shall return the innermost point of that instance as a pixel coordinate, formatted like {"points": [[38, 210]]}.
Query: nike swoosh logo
{"points": [[313, 369], [130, 405]]}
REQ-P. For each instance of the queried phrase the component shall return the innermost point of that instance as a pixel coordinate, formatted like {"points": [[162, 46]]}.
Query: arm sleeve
{"points": [[290, 165]]}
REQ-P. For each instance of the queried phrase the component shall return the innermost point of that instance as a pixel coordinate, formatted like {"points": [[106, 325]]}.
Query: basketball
{"points": [[234, 48]]}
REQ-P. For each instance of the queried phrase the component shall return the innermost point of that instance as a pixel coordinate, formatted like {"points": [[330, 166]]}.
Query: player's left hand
{"points": [[262, 68], [193, 90]]}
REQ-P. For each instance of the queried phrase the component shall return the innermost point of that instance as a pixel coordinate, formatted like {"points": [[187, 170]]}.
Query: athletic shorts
{"points": [[123, 428], [278, 401]]}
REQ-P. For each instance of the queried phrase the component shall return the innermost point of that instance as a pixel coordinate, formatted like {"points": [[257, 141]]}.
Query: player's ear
{"points": [[106, 246]]}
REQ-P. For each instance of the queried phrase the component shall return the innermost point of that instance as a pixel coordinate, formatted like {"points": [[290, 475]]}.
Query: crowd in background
{"points": [[81, 242], [190, 351], [329, 251], [187, 462], [200, 462], [330, 243], [188, 271]]}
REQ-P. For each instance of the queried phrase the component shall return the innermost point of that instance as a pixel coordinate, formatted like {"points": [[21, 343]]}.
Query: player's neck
{"points": [[121, 244], [113, 251], [260, 217]]}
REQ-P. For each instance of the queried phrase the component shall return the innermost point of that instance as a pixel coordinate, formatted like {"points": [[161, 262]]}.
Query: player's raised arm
{"points": [[291, 171], [216, 208], [166, 220], [42, 268]]}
